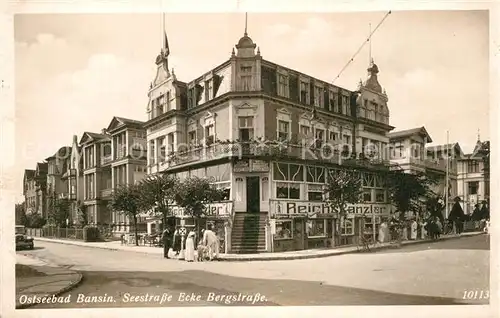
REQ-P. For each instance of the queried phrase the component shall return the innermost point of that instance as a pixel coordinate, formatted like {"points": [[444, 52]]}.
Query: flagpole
{"points": [[447, 172]]}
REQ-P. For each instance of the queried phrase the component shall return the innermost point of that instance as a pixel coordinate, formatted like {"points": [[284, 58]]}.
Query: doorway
{"points": [[253, 194]]}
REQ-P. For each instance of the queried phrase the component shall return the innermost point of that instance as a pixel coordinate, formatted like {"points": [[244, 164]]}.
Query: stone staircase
{"points": [[248, 233]]}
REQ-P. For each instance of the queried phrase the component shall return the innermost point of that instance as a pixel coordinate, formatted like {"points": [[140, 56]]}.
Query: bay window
{"points": [[289, 178]]}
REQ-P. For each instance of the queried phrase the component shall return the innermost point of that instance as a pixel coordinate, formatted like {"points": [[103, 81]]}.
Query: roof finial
{"points": [[478, 134], [246, 23]]}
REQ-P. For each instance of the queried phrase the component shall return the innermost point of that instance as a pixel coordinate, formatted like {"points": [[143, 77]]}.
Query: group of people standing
{"points": [[207, 247]]}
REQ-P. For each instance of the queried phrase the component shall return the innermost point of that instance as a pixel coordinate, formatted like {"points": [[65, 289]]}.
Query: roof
{"points": [[93, 137], [482, 149], [121, 121], [455, 146], [410, 132], [29, 173], [42, 167], [63, 152]]}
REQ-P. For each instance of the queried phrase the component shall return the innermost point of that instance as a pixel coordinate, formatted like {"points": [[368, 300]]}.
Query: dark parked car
{"points": [[22, 240]]}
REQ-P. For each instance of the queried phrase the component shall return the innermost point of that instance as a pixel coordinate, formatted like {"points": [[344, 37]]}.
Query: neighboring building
{"points": [[269, 135], [41, 189], [57, 164], [97, 179], [127, 161], [29, 191], [409, 151], [73, 176], [439, 157], [473, 176]]}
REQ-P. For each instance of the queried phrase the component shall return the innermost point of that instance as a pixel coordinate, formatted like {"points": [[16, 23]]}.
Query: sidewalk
{"points": [[44, 280], [312, 253]]}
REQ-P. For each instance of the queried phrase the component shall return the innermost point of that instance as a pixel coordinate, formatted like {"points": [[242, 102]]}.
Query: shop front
{"points": [[217, 216], [300, 225]]}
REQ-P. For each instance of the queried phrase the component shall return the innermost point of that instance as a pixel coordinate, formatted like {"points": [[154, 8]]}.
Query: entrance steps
{"points": [[249, 233]]}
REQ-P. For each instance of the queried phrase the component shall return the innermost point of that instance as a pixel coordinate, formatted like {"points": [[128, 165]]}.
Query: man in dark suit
{"points": [[165, 236]]}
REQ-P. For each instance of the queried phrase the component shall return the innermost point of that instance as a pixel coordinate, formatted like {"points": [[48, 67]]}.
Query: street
{"points": [[423, 274]]}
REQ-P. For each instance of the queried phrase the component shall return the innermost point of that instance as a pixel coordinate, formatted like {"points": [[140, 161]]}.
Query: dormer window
{"points": [[304, 92], [283, 88], [209, 92], [318, 96]]}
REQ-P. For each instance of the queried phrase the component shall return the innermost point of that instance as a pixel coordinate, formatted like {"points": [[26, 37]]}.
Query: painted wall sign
{"points": [[251, 165], [281, 208], [220, 209]]}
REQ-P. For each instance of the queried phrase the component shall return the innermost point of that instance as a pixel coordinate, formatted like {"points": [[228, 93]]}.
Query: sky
{"points": [[74, 72]]}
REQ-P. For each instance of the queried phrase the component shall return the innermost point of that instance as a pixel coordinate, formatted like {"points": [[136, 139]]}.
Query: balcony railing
{"points": [[106, 159], [264, 149], [63, 196]]}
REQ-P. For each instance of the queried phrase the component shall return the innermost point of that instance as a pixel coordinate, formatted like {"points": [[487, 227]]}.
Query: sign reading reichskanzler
{"points": [[282, 208], [221, 209]]}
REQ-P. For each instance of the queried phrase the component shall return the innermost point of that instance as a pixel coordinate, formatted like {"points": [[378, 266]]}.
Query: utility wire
{"points": [[362, 45]]}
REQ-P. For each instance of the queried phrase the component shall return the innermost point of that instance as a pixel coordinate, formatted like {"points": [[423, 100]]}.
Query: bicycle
{"points": [[364, 242]]}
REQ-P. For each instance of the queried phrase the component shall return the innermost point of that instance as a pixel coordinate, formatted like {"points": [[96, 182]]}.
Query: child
{"points": [[202, 251]]}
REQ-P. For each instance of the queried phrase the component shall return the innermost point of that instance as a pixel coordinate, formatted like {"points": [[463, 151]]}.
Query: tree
{"points": [[343, 187], [408, 190], [82, 212], [193, 194], [20, 214], [58, 210], [126, 199], [157, 192]]}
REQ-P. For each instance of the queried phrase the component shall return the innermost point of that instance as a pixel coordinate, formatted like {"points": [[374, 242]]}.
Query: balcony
{"points": [[106, 193], [62, 196], [106, 159], [270, 149]]}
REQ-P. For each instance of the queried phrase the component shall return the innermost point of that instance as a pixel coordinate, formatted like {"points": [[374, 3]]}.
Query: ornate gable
{"points": [[115, 123], [86, 138], [161, 76]]}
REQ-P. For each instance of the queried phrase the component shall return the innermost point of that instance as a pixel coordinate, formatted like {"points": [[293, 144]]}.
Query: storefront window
{"points": [[315, 174], [287, 190], [288, 172], [316, 228], [379, 196], [367, 195], [347, 227], [283, 230], [315, 192]]}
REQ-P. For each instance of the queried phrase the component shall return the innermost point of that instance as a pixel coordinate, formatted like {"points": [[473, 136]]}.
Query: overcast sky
{"points": [[75, 72]]}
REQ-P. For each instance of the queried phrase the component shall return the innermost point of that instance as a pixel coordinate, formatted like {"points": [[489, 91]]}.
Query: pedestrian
{"points": [[381, 232], [439, 228], [189, 253], [211, 242], [177, 242], [457, 215], [166, 241], [485, 212], [414, 230]]}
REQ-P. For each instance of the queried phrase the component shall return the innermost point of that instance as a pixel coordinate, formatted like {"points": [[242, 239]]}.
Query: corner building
{"points": [[269, 135]]}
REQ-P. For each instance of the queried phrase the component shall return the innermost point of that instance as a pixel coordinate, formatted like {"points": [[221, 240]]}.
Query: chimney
{"points": [[104, 131]]}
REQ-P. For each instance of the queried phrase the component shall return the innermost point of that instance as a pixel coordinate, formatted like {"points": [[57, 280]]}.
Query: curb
{"points": [[281, 258], [63, 290], [333, 253]]}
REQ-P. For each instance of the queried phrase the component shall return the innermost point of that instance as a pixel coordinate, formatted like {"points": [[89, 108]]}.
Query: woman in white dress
{"points": [[414, 227], [189, 253]]}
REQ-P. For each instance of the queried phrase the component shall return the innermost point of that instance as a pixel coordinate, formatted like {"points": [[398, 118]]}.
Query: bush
{"points": [[90, 234], [35, 221]]}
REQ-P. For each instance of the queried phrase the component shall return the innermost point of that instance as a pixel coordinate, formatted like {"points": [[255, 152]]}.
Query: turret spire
{"points": [[246, 23]]}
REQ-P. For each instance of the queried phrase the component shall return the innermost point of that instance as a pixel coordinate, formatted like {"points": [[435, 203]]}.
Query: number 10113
{"points": [[476, 294]]}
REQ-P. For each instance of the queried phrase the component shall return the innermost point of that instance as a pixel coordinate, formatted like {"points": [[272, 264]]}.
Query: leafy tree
{"points": [[34, 221], [82, 212], [126, 199], [20, 214], [157, 192], [194, 193], [407, 190], [343, 187], [58, 210]]}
